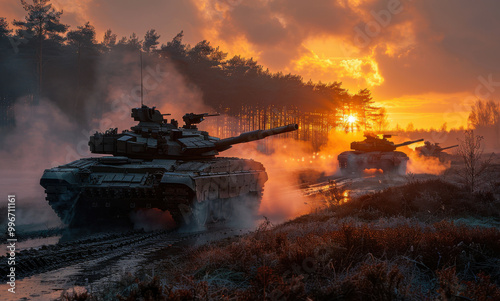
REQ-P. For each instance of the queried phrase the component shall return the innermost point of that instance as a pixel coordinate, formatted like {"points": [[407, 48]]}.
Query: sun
{"points": [[351, 119]]}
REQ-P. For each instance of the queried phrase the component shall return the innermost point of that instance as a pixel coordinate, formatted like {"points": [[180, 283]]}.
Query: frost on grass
{"points": [[406, 248]]}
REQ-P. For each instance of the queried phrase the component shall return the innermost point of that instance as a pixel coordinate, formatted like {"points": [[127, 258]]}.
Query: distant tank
{"points": [[374, 153], [157, 164], [433, 150]]}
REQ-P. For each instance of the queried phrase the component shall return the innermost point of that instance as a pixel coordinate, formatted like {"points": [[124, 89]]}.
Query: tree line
{"points": [[42, 57]]}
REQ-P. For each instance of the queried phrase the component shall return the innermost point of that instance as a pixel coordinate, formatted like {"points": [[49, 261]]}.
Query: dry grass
{"points": [[436, 199], [387, 254]]}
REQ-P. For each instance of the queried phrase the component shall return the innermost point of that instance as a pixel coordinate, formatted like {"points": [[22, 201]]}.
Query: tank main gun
{"points": [[226, 143], [192, 119], [408, 143], [448, 147]]}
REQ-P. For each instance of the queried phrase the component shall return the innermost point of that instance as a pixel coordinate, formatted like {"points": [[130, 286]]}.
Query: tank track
{"points": [[111, 205], [101, 192], [99, 247], [107, 204]]}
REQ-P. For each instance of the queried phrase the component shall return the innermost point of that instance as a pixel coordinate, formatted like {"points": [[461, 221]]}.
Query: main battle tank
{"points": [[433, 150], [157, 164], [374, 153]]}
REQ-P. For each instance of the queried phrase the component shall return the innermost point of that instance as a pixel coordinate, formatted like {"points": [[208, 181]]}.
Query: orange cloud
{"points": [[358, 72]]}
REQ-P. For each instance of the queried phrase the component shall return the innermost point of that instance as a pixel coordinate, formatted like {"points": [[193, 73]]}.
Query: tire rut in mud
{"points": [[98, 248]]}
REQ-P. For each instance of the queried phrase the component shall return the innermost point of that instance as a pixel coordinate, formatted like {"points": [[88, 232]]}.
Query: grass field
{"points": [[424, 240]]}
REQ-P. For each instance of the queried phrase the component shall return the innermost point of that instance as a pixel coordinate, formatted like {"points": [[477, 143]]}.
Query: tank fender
{"points": [[59, 176], [178, 178]]}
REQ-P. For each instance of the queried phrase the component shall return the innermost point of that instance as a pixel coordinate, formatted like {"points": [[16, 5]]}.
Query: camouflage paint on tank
{"points": [[157, 164]]}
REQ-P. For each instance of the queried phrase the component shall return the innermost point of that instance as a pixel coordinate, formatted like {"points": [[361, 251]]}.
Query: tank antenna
{"points": [[142, 94]]}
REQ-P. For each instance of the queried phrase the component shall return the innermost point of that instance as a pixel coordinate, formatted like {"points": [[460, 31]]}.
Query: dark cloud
{"points": [[11, 10], [426, 46], [278, 29], [469, 29], [167, 17], [259, 26], [427, 69], [455, 42], [317, 17]]}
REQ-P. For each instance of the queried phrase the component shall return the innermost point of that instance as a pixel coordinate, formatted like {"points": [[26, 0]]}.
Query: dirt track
{"points": [[96, 259]]}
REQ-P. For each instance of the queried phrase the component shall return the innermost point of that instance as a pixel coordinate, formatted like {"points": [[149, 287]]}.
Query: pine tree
{"points": [[109, 40], [150, 40], [81, 40], [41, 24]]}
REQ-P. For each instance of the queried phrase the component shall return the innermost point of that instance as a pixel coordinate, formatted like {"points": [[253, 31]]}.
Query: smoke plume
{"points": [[45, 136]]}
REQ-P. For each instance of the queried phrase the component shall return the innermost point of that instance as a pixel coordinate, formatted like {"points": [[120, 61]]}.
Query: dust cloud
{"points": [[44, 136], [119, 90], [428, 165], [291, 164]]}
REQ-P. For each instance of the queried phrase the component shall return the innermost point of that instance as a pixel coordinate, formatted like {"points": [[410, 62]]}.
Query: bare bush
{"points": [[471, 151]]}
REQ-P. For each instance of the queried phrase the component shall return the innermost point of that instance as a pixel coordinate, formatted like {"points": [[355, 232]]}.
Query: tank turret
{"points": [[374, 144], [155, 137], [157, 164], [374, 153]]}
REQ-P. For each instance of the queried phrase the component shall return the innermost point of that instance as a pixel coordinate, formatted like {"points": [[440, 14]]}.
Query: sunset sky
{"points": [[426, 60]]}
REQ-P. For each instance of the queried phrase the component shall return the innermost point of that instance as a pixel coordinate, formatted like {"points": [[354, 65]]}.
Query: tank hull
{"points": [[111, 188], [352, 162]]}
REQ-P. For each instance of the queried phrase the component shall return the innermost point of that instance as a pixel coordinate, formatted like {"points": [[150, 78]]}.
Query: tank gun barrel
{"points": [[408, 142], [448, 147], [224, 144]]}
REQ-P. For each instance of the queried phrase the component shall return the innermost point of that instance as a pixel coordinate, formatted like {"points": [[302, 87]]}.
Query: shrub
{"points": [[432, 198]]}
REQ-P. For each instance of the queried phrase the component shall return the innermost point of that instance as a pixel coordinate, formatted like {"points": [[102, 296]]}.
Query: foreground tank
{"points": [[158, 165], [374, 153]]}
